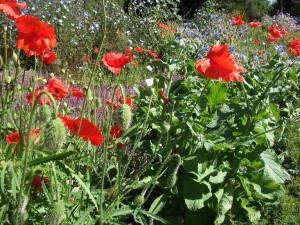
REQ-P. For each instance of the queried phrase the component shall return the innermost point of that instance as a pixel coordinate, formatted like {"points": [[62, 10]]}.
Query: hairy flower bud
{"points": [[44, 113], [57, 213], [138, 200], [54, 134], [125, 116], [172, 178]]}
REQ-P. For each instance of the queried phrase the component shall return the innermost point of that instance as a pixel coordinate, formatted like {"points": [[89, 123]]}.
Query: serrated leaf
{"points": [[217, 95], [253, 214], [224, 205], [273, 168]]}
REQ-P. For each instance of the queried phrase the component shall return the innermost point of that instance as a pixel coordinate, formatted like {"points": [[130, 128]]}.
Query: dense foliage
{"points": [[113, 117]]}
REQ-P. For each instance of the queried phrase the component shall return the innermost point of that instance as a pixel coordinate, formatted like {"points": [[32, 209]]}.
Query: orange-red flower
{"points": [[237, 20], [271, 38], [115, 131], [86, 58], [15, 137], [134, 63], [47, 57], [294, 47], [57, 88], [254, 24], [256, 41], [219, 64], [10, 8], [150, 52], [139, 49], [43, 100], [37, 182], [76, 93], [274, 31], [166, 27], [115, 61], [83, 128], [128, 52], [34, 35]]}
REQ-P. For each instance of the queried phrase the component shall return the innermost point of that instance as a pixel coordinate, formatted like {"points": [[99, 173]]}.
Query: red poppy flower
{"points": [[271, 38], [134, 63], [34, 35], [139, 49], [88, 131], [294, 47], [150, 52], [86, 58], [256, 41], [115, 104], [274, 31], [163, 96], [47, 57], [237, 20], [56, 88], [166, 27], [43, 100], [10, 8], [37, 182], [96, 49], [115, 131], [76, 93], [282, 30], [128, 101], [115, 61], [219, 64], [254, 24], [128, 52], [260, 52], [15, 137]]}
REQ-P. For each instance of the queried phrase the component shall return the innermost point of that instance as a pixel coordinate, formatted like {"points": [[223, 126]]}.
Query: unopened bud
{"points": [[54, 135]]}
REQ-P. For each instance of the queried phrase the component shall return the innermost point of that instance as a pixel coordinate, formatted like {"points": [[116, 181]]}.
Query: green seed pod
{"points": [[54, 135], [57, 213], [44, 114], [138, 200], [125, 116]]}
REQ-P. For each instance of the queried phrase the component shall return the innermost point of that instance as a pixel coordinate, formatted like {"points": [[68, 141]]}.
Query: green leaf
{"points": [[159, 203], [195, 194], [50, 158], [273, 167], [217, 94], [253, 214], [274, 110], [218, 178], [83, 216], [224, 205], [155, 217]]}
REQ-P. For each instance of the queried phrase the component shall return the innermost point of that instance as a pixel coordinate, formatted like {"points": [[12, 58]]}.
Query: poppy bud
{"points": [[125, 116], [21, 219], [138, 200], [165, 127], [7, 79], [172, 178], [44, 113], [98, 102], [23, 204], [57, 213], [54, 134], [51, 75]]}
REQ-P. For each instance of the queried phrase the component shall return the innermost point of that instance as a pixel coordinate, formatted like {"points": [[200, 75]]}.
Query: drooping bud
{"points": [[138, 200], [172, 178], [125, 116], [165, 127], [57, 213], [54, 135], [44, 113]]}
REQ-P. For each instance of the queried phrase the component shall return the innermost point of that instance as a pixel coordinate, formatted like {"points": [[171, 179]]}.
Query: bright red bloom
{"points": [[260, 52], [86, 58], [128, 52], [237, 20], [163, 96], [10, 8], [271, 38], [128, 101], [139, 49], [15, 137], [87, 130], [254, 24], [256, 41], [37, 182], [282, 30], [294, 47], [166, 27], [47, 57], [34, 35], [115, 104], [115, 61], [43, 100], [219, 64], [150, 52], [96, 49], [57, 88], [115, 131], [274, 31], [76, 93]]}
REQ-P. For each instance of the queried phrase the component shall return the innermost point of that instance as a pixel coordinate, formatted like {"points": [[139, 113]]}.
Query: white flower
{"points": [[150, 82]]}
